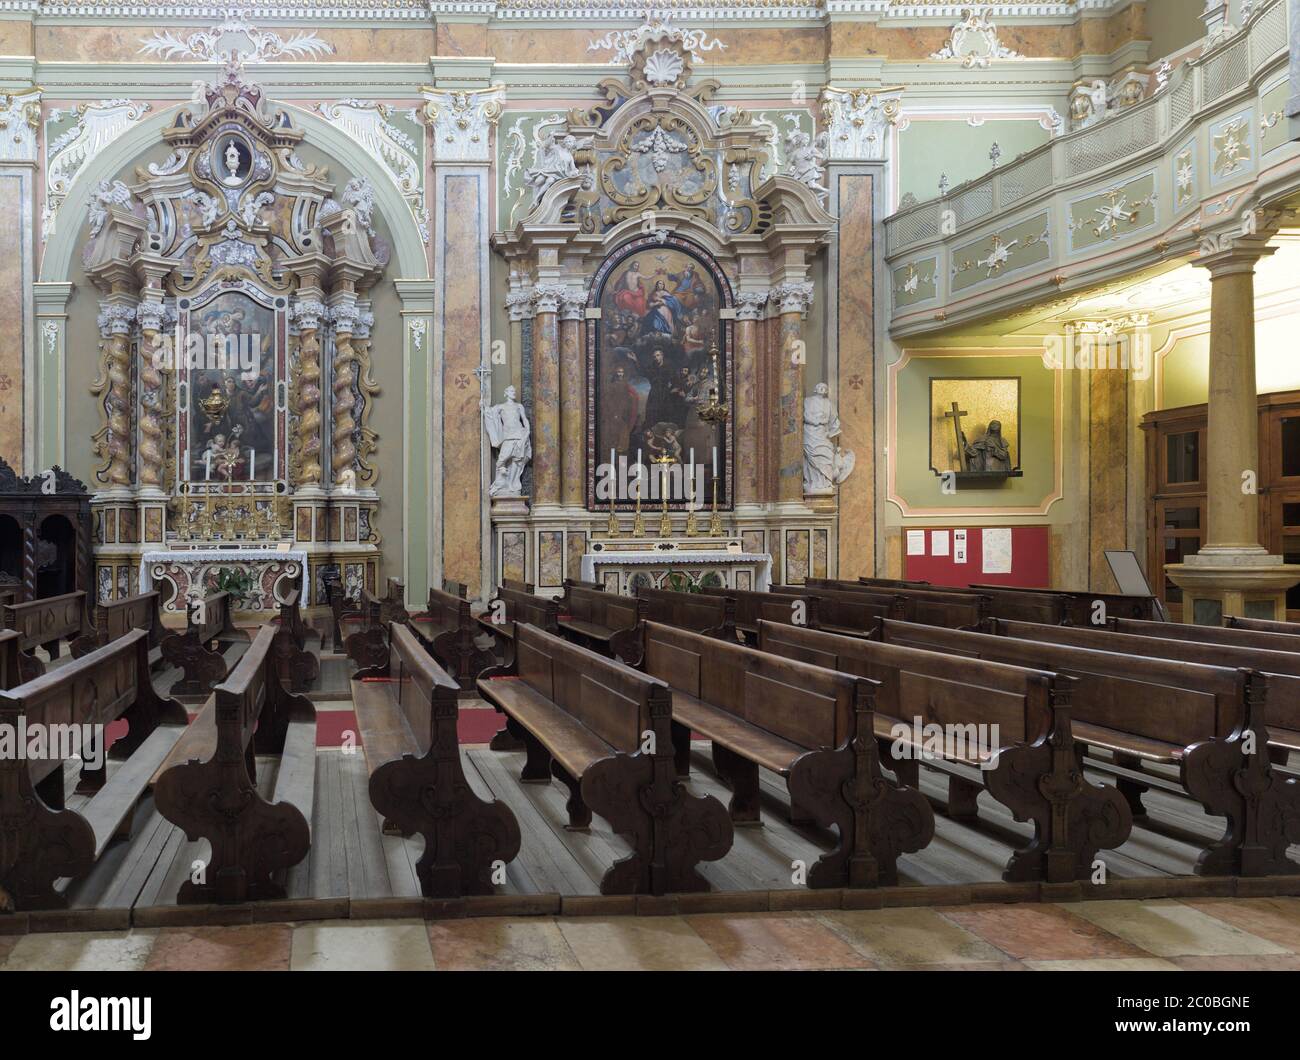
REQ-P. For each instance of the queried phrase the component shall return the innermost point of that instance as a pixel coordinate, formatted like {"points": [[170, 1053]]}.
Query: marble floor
{"points": [[1227, 934]]}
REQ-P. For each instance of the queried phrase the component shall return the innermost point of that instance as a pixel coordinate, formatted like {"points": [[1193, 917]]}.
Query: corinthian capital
{"points": [[750, 304], [462, 122], [793, 296], [519, 303], [573, 303], [547, 297], [857, 122], [115, 319]]}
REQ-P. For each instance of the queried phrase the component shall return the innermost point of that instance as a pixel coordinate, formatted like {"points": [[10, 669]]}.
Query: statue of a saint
{"points": [[825, 463], [232, 164], [991, 452], [806, 160], [553, 160], [508, 431]]}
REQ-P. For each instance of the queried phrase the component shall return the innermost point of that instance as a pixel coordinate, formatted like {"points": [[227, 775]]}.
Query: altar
{"points": [[268, 576], [621, 565]]}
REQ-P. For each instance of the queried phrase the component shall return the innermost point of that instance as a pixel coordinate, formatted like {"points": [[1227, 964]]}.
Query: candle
{"points": [[638, 474], [186, 464], [715, 461], [207, 466], [252, 459], [613, 472], [690, 497]]}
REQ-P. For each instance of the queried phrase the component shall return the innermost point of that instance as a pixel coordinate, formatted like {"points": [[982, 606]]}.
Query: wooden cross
{"points": [[955, 415]]}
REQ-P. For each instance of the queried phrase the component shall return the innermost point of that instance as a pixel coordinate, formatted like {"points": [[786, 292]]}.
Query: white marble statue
{"points": [[553, 160], [232, 177], [825, 463], [806, 160], [508, 431]]}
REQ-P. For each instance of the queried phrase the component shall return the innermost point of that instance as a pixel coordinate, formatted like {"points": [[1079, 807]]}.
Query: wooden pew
{"points": [[1035, 757], [1029, 605], [295, 664], [934, 607], [1208, 721], [605, 622], [517, 585], [714, 616], [1236, 636], [43, 623], [1082, 609], [851, 613], [604, 730], [206, 620], [754, 607], [116, 618], [1262, 625], [1282, 667], [208, 785], [359, 629], [10, 667], [392, 607], [42, 841], [811, 726], [575, 583], [505, 613], [447, 629], [406, 712]]}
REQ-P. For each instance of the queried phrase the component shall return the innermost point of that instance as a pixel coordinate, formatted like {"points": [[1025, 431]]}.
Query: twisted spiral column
{"points": [[343, 451], [307, 315], [152, 439], [115, 320]]}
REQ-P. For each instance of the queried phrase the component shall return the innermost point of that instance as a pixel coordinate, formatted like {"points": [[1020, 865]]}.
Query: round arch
{"points": [[409, 258]]}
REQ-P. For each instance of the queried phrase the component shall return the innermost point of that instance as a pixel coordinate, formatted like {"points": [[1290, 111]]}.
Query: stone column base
{"points": [[1245, 584]]}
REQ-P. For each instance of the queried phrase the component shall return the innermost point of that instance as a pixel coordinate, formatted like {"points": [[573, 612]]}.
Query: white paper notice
{"points": [[916, 542], [997, 550], [938, 542], [959, 546]]}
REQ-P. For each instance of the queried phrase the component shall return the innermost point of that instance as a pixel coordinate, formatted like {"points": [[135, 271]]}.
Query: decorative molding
{"points": [[205, 46], [793, 296], [20, 118], [858, 121], [366, 122], [627, 42], [417, 329], [750, 304], [547, 296], [463, 121], [974, 41]]}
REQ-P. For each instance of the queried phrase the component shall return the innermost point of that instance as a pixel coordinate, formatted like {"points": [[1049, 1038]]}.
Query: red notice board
{"points": [[1029, 558]]}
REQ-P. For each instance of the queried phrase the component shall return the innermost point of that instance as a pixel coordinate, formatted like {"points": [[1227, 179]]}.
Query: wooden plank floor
{"points": [[352, 861]]}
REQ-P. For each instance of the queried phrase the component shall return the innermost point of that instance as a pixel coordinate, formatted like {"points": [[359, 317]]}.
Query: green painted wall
{"points": [[1173, 25], [929, 148], [920, 486], [1185, 369]]}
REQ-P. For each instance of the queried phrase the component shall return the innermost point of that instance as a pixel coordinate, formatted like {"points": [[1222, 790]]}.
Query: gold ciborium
{"points": [[215, 404]]}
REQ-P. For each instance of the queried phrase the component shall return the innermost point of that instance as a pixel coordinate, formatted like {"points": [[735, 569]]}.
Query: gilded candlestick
{"points": [[665, 523], [715, 521]]}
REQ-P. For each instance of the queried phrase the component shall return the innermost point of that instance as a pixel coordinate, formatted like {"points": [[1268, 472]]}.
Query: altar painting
{"points": [[650, 367], [229, 348]]}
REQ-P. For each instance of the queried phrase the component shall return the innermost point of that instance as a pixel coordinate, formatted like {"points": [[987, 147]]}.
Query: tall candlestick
{"points": [[715, 461], [611, 530]]}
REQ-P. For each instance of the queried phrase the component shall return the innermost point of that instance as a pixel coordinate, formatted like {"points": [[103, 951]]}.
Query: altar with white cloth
{"points": [[275, 574], [620, 564]]}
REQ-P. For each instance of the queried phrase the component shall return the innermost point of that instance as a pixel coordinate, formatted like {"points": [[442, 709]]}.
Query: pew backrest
{"points": [[50, 618], [604, 609], [242, 694], [1236, 636], [855, 611], [703, 613], [808, 705], [610, 699], [1160, 699], [10, 668], [915, 684], [448, 611], [1262, 625], [419, 683], [521, 606], [116, 618], [933, 606], [208, 616], [753, 607]]}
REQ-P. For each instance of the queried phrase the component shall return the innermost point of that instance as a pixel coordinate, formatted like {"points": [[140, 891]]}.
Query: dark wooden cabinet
{"points": [[1176, 495], [44, 534]]}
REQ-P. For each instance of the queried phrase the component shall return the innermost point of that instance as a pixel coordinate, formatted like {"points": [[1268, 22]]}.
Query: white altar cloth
{"points": [[683, 558], [203, 556]]}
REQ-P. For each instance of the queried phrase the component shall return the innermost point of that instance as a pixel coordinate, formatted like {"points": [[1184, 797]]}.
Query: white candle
{"points": [[691, 496], [207, 466], [613, 475], [638, 474], [186, 464], [252, 459], [715, 461]]}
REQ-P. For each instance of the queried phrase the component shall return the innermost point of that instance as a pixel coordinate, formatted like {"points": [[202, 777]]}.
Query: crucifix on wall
{"points": [[959, 435]]}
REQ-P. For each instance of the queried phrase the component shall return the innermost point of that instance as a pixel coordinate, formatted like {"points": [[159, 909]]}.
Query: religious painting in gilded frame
{"points": [[658, 354]]}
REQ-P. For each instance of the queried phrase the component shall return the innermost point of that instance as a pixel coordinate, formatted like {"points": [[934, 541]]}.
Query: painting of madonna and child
{"points": [[653, 372]]}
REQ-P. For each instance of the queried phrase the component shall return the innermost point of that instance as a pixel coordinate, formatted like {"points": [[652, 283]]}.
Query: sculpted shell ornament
{"points": [[664, 67]]}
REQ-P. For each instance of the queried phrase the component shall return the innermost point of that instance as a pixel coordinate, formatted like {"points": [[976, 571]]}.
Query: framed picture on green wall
{"points": [[975, 424]]}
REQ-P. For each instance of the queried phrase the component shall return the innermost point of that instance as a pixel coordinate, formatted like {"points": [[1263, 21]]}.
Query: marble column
{"points": [[463, 125], [519, 306], [343, 450], [546, 394], [116, 319], [31, 406], [154, 360], [1232, 574], [307, 310], [573, 405], [749, 311], [793, 298], [860, 128]]}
